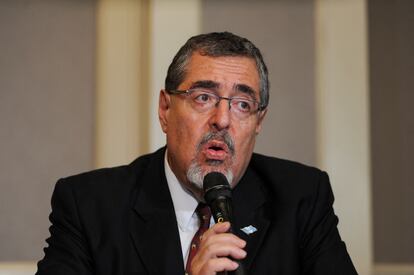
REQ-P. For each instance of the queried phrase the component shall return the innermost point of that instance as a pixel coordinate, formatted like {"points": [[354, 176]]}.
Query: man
{"points": [[140, 218]]}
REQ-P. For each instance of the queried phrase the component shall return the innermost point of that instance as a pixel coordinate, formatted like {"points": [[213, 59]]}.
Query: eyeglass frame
{"points": [[260, 107]]}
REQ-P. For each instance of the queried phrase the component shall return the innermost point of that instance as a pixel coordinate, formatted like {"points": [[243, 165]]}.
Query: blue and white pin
{"points": [[249, 229]]}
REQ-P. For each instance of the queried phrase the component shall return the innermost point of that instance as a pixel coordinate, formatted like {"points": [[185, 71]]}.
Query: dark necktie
{"points": [[204, 215]]}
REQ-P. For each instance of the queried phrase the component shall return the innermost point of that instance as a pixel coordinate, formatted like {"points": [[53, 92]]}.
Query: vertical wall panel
{"points": [[391, 36], [122, 81], [46, 113], [343, 119], [172, 23]]}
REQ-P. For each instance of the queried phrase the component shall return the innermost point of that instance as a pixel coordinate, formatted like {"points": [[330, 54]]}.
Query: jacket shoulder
{"points": [[114, 181], [282, 167], [112, 175], [289, 178]]}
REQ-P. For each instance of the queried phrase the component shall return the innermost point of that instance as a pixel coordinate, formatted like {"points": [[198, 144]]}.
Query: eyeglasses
{"points": [[203, 100]]}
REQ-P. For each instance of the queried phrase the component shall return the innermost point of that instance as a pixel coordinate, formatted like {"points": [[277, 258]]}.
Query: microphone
{"points": [[217, 194]]}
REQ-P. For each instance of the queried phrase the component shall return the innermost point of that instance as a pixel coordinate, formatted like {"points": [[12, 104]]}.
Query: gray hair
{"points": [[217, 44]]}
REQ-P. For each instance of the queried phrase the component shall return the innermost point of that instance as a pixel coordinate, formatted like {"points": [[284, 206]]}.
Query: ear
{"points": [[262, 115], [163, 107]]}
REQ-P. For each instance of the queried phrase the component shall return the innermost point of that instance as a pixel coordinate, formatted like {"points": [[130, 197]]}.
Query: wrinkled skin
{"points": [[185, 128]]}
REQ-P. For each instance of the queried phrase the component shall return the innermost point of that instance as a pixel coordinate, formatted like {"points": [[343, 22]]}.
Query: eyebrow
{"points": [[208, 84], [245, 89]]}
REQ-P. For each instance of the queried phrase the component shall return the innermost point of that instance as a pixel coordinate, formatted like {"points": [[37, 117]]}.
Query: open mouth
{"points": [[215, 150]]}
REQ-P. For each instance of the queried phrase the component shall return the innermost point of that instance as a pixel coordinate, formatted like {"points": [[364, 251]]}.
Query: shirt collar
{"points": [[184, 203]]}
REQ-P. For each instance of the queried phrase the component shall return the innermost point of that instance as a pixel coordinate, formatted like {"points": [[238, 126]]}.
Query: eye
{"points": [[242, 105], [202, 97]]}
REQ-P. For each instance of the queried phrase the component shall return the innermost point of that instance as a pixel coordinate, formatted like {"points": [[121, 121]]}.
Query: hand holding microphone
{"points": [[220, 250]]}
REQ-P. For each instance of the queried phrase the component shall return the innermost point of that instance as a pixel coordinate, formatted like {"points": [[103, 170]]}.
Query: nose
{"points": [[220, 118]]}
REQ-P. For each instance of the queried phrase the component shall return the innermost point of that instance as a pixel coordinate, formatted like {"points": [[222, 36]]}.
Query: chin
{"points": [[197, 172]]}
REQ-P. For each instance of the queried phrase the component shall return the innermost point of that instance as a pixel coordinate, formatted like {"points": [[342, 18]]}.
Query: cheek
{"points": [[245, 139], [247, 144], [246, 134], [186, 133]]}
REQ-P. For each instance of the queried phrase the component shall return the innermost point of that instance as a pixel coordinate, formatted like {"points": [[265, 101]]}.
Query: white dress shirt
{"points": [[184, 207]]}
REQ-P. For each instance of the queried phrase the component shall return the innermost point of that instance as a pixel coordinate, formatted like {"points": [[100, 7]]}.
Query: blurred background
{"points": [[79, 85]]}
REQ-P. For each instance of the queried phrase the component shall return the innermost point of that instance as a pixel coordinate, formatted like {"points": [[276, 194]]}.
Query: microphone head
{"points": [[215, 186]]}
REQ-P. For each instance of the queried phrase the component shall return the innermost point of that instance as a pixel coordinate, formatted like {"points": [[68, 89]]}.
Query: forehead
{"points": [[227, 71]]}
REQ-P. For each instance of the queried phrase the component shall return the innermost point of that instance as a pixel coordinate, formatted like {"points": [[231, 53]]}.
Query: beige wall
{"points": [[172, 23], [48, 103], [343, 120], [46, 113], [122, 81]]}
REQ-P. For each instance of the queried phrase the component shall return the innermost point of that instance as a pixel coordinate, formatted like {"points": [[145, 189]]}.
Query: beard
{"points": [[200, 167]]}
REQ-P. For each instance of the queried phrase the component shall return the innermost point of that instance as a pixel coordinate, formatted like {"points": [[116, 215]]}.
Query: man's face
{"points": [[215, 140]]}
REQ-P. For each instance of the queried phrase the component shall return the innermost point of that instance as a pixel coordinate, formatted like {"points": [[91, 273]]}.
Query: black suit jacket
{"points": [[122, 221]]}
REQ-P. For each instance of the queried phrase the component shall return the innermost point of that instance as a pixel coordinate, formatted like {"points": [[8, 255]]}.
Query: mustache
{"points": [[221, 135]]}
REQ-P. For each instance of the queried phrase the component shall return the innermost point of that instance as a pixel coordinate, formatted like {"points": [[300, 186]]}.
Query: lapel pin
{"points": [[249, 229]]}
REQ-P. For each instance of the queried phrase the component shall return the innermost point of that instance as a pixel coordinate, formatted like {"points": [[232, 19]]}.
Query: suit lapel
{"points": [[249, 207], [153, 225]]}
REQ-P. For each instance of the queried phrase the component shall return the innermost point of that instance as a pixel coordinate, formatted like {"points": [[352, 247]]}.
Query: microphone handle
{"points": [[222, 212]]}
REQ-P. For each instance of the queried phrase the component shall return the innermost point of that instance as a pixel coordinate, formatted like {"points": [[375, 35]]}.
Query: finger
{"points": [[224, 238], [215, 250], [213, 266], [212, 237], [218, 228], [222, 227]]}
